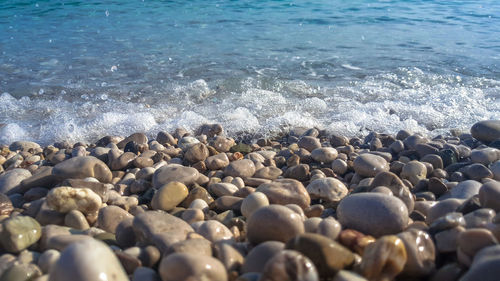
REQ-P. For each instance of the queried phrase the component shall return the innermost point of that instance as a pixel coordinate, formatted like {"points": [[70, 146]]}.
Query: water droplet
{"points": [[107, 13]]}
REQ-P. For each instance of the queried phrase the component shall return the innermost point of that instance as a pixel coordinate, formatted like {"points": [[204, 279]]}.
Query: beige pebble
{"points": [[261, 226], [64, 199], [75, 219], [253, 202], [185, 266], [169, 196], [384, 259]]}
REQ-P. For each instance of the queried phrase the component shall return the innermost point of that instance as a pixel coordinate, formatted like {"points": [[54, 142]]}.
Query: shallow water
{"points": [[83, 69]]}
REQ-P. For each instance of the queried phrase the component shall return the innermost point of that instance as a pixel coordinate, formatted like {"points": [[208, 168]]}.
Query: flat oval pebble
{"points": [[186, 266], [83, 167], [243, 168], [217, 162], [489, 195], [465, 189], [10, 180], [373, 213], [414, 171], [309, 143], [368, 165], [88, 260], [261, 226], [327, 189], [286, 191], [65, 199], [174, 172], [169, 196], [324, 155], [212, 230], [110, 217]]}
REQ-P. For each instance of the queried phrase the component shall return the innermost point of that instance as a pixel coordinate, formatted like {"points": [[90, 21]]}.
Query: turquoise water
{"points": [[78, 70]]}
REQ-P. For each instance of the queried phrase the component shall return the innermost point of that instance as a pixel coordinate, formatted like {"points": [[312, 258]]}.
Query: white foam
{"points": [[408, 99]]}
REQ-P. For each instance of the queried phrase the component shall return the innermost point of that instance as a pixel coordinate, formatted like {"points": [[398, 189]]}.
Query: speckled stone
{"points": [[19, 232], [185, 266], [368, 165], [87, 260], [286, 191], [261, 226], [83, 167], [65, 199], [327, 189], [373, 213]]}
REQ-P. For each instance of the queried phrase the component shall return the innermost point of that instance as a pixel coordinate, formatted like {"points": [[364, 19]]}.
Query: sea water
{"points": [[79, 70]]}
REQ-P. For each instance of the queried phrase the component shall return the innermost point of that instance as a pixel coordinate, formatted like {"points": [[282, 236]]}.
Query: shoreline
{"points": [[319, 205]]}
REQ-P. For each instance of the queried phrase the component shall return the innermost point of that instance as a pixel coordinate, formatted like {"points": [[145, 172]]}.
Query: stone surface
{"points": [[185, 266], [373, 213], [83, 167], [169, 196], [87, 260], [223, 188], [217, 162], [324, 155], [486, 131], [420, 251], [243, 168], [384, 259], [76, 219], [174, 172], [327, 255], [23, 146], [10, 181], [327, 189], [48, 259], [65, 199], [18, 233], [212, 230], [289, 265], [261, 226], [110, 217], [414, 171], [309, 143], [253, 202], [396, 186], [271, 173], [196, 153], [368, 165], [489, 195], [286, 191], [5, 205], [465, 189], [198, 246], [160, 229], [258, 256]]}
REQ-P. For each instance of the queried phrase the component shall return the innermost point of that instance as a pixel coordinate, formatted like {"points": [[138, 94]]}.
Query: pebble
{"points": [[21, 272], [289, 265], [258, 256], [476, 172], [484, 156], [110, 217], [243, 168], [414, 171], [83, 167], [329, 227], [198, 246], [76, 219], [270, 173], [196, 153], [339, 166], [145, 274], [471, 241], [286, 191], [221, 189], [486, 131], [327, 189], [420, 251], [253, 202], [384, 259], [327, 255], [446, 240], [5, 205], [65, 199], [10, 181], [193, 215], [160, 229], [489, 195], [169, 196], [261, 226], [396, 186], [231, 258], [87, 260], [186, 266], [368, 165], [174, 172], [309, 143], [212, 230], [373, 213], [442, 209], [465, 189], [19, 232], [324, 155], [48, 259]]}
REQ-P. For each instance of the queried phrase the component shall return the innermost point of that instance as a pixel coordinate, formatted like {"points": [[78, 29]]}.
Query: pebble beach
{"points": [[306, 205]]}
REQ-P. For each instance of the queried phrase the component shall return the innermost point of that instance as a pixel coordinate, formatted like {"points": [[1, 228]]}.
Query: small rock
{"points": [[253, 202], [486, 131], [309, 143], [476, 172], [286, 191], [10, 181], [196, 153], [261, 226], [212, 230], [75, 219], [186, 266], [384, 259], [65, 199], [289, 265], [414, 171], [217, 162], [169, 196], [110, 217], [465, 189], [174, 172], [19, 232], [324, 155], [243, 168], [83, 167], [48, 259], [368, 165], [87, 260], [421, 252], [373, 213], [489, 195], [327, 189]]}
